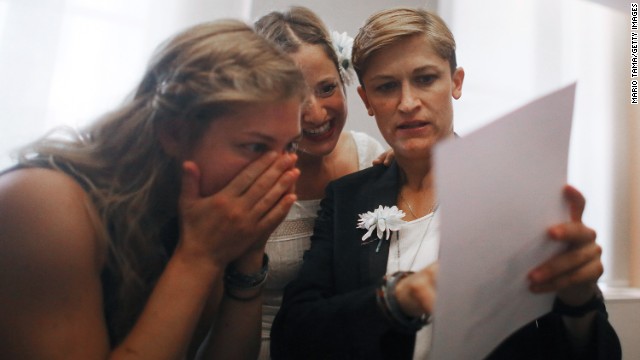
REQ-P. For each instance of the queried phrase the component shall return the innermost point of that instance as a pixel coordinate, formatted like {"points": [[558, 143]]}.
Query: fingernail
{"points": [[292, 174], [271, 154], [555, 233], [536, 275]]}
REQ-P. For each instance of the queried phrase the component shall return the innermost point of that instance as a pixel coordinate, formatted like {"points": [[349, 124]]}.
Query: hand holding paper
{"points": [[574, 271], [500, 190]]}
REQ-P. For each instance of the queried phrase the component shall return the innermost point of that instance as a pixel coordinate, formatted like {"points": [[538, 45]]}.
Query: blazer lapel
{"points": [[373, 265]]}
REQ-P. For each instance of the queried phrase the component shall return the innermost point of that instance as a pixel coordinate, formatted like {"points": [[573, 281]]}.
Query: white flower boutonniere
{"points": [[342, 44], [384, 220]]}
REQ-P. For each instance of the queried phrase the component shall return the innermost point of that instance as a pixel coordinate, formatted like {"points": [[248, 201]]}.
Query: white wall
{"points": [[70, 61], [624, 314]]}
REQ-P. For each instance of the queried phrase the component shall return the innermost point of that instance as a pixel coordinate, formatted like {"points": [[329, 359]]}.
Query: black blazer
{"points": [[330, 312]]}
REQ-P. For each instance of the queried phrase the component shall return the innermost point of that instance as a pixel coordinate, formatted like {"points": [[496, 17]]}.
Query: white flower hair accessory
{"points": [[342, 44], [383, 219]]}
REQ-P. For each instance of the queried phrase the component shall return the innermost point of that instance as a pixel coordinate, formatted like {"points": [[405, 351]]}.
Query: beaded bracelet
{"points": [[235, 279], [388, 303]]}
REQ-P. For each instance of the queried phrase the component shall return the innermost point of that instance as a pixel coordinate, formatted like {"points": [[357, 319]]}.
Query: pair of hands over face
{"points": [[572, 273], [237, 220]]}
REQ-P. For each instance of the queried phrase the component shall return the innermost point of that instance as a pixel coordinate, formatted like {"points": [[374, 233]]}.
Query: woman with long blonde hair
{"points": [[143, 236]]}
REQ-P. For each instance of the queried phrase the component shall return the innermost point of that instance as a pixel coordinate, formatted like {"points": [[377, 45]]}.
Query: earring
{"points": [[370, 112]]}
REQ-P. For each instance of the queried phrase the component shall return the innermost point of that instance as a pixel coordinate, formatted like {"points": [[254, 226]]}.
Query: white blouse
{"points": [[412, 248]]}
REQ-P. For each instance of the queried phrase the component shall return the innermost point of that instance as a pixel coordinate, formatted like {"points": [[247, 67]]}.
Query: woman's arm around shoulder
{"points": [[50, 261]]}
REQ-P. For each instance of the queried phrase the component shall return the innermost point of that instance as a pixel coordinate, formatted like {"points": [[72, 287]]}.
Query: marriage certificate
{"points": [[500, 188]]}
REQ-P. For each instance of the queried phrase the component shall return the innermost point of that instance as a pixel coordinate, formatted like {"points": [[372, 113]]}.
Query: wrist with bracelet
{"points": [[595, 303], [388, 304], [237, 281]]}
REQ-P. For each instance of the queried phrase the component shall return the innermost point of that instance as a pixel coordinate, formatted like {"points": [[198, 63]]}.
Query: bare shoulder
{"points": [[50, 261], [49, 208]]}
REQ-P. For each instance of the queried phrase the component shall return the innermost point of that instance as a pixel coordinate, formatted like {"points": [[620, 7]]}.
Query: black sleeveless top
{"points": [[110, 280]]}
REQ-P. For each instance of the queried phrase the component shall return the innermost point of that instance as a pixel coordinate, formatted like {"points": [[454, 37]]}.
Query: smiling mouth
{"points": [[319, 131]]}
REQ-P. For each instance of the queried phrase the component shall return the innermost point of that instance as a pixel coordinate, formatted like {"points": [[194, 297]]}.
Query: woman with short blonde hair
{"points": [[365, 294]]}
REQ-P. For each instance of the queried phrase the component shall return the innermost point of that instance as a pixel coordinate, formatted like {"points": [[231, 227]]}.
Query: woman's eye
{"points": [[291, 147], [257, 148], [326, 90], [426, 79], [385, 87]]}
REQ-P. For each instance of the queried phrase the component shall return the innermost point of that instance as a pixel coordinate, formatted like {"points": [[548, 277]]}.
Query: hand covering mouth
{"points": [[318, 130]]}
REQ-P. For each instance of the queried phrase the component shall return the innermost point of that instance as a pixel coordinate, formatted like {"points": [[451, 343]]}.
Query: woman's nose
{"points": [[313, 111], [409, 100]]}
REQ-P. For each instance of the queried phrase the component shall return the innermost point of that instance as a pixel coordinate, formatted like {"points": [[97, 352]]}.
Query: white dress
{"points": [[289, 241]]}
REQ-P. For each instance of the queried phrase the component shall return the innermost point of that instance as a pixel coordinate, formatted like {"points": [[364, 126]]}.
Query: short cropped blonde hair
{"points": [[386, 27]]}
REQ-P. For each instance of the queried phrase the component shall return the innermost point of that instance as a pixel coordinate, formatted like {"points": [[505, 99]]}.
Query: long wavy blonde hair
{"points": [[195, 77]]}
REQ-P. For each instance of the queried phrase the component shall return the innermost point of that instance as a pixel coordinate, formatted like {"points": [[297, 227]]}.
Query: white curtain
{"points": [[516, 51], [69, 61]]}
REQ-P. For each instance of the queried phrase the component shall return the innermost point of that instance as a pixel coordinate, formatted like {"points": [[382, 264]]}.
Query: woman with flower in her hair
{"points": [[143, 236], [325, 152], [368, 283]]}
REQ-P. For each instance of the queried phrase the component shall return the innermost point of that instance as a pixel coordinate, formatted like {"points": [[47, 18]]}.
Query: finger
{"points": [[416, 293], [565, 262], [243, 181], [574, 233], [389, 157], [423, 290], [282, 187], [576, 202], [268, 223], [381, 159], [589, 273], [269, 179]]}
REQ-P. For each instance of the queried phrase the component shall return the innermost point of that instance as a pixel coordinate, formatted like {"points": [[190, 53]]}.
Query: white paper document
{"points": [[500, 188]]}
